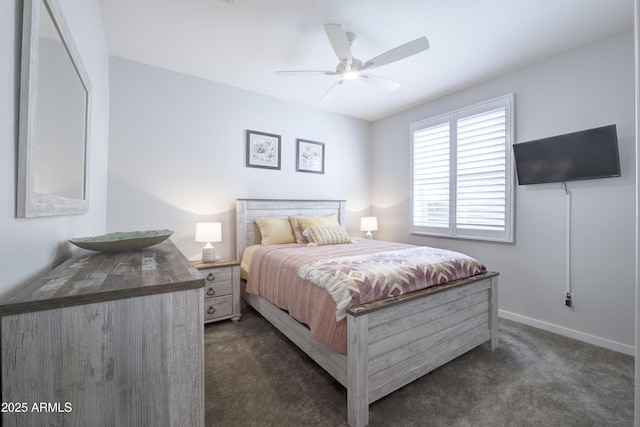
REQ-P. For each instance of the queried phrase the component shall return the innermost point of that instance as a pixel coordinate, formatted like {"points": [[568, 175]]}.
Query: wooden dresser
{"points": [[106, 339]]}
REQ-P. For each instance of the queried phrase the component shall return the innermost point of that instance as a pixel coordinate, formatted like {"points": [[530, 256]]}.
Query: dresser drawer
{"points": [[218, 307]]}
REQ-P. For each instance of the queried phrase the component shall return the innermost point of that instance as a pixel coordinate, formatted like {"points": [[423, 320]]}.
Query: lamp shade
{"points": [[208, 232], [369, 223]]}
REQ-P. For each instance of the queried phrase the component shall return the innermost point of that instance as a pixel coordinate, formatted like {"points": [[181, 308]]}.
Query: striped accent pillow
{"points": [[319, 235]]}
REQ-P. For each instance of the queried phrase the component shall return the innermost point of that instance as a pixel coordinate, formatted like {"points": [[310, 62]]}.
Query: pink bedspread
{"points": [[342, 276]]}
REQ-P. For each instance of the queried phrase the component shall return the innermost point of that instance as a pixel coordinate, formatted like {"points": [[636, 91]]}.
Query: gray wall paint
{"points": [[177, 154], [30, 247], [584, 88]]}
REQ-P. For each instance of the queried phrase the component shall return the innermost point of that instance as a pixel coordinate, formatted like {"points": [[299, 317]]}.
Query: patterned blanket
{"points": [[358, 279]]}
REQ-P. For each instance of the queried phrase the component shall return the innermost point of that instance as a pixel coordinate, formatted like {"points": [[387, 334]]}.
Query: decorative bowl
{"points": [[122, 241]]}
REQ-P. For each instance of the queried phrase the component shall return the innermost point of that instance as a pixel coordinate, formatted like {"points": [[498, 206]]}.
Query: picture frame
{"points": [[309, 156], [263, 150]]}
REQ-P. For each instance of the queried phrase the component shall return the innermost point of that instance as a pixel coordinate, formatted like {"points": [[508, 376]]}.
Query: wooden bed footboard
{"points": [[390, 345]]}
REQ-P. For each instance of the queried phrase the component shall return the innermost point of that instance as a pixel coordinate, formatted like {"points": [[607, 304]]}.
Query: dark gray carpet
{"points": [[255, 377]]}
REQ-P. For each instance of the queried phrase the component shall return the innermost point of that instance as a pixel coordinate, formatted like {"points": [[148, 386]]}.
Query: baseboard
{"points": [[580, 336]]}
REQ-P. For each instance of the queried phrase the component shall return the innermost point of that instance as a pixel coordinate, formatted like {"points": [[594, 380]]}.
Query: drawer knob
{"points": [[211, 292], [211, 310], [211, 277]]}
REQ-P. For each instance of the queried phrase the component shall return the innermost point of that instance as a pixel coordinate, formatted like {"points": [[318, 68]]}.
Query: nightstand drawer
{"points": [[217, 275], [218, 307], [218, 290]]}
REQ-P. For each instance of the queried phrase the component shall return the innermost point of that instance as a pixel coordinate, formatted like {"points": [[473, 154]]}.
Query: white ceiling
{"points": [[243, 42]]}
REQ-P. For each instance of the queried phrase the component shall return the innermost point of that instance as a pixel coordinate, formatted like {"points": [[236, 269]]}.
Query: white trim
{"points": [[571, 333]]}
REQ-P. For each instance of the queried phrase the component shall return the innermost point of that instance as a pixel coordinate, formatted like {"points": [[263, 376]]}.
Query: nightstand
{"points": [[221, 289]]}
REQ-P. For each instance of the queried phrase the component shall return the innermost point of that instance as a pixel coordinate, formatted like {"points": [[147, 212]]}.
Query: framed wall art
{"points": [[309, 156], [263, 150]]}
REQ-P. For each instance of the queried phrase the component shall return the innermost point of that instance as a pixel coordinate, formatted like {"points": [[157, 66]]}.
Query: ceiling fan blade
{"points": [[398, 53], [305, 73], [339, 41], [381, 82], [332, 91]]}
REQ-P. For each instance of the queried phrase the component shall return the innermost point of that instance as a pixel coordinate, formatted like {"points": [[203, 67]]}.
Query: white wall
{"points": [[584, 88], [177, 154], [31, 247]]}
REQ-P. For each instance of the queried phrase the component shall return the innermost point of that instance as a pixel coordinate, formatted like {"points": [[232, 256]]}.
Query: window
{"points": [[462, 173]]}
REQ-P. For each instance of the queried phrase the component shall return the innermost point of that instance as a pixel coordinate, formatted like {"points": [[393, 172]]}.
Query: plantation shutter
{"points": [[481, 171], [431, 176], [462, 174]]}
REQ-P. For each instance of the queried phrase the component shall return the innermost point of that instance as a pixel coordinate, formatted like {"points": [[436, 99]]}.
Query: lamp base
{"points": [[369, 235], [208, 255]]}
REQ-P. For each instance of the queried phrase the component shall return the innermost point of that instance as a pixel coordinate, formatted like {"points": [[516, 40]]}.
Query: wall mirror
{"points": [[54, 117]]}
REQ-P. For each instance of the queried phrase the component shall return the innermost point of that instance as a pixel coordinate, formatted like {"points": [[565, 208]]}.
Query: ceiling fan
{"points": [[351, 68]]}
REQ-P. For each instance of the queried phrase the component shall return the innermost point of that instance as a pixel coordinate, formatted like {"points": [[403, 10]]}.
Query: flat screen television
{"points": [[587, 154]]}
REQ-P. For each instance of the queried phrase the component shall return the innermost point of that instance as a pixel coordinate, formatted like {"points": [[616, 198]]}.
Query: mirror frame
{"points": [[29, 202]]}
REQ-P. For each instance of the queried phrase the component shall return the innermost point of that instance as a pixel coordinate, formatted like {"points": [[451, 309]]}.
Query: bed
{"points": [[390, 342]]}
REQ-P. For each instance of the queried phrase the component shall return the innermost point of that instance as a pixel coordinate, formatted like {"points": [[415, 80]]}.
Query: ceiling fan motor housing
{"points": [[343, 67]]}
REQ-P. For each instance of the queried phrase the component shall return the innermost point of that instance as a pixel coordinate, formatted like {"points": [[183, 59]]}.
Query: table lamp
{"points": [[207, 232], [369, 224]]}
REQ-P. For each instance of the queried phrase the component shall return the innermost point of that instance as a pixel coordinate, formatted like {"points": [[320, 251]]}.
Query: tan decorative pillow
{"points": [[319, 235], [275, 230]]}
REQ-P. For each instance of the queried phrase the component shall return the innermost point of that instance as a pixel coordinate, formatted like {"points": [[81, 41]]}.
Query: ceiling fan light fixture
{"points": [[350, 71], [351, 75]]}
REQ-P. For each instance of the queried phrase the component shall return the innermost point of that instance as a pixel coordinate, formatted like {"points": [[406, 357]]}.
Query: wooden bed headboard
{"points": [[247, 210]]}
